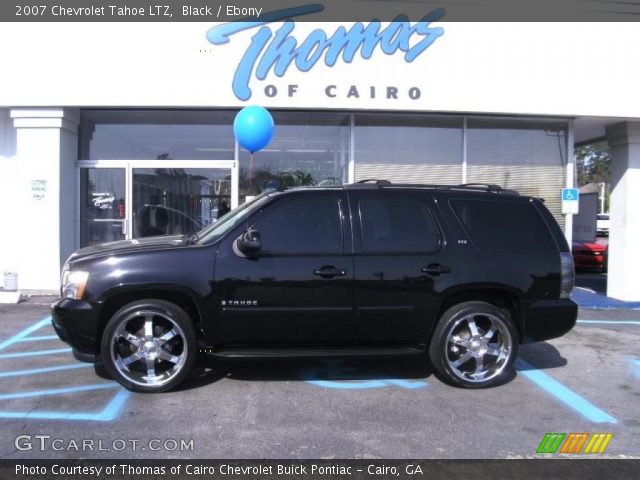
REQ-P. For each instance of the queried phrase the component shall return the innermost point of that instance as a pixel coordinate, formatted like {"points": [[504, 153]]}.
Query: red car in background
{"points": [[590, 255]]}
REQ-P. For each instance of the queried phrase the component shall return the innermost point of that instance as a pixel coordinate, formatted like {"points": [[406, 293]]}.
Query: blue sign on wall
{"points": [[570, 195], [570, 201]]}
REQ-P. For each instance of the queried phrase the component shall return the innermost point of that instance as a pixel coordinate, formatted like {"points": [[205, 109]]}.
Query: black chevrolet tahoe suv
{"points": [[462, 273]]}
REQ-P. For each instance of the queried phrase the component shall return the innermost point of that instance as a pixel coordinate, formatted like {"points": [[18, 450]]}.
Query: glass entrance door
{"points": [[102, 205], [141, 198], [170, 201]]}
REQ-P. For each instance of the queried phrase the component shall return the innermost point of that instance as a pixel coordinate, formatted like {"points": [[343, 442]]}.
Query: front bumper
{"points": [[547, 319], [589, 261], [77, 322]]}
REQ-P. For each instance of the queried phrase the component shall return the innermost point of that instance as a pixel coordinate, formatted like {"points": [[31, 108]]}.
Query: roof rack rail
{"points": [[376, 181], [482, 187], [490, 187]]}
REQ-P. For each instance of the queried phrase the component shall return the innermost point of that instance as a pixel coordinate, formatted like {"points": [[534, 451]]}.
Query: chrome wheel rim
{"points": [[148, 348], [479, 346]]}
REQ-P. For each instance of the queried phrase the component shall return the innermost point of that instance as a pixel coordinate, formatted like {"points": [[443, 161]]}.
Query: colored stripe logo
{"points": [[573, 443], [550, 443], [598, 443]]}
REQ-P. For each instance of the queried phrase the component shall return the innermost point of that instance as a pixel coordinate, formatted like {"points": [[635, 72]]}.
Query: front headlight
{"points": [[73, 283]]}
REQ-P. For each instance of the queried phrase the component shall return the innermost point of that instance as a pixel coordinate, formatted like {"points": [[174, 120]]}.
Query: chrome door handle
{"points": [[329, 271], [435, 269]]}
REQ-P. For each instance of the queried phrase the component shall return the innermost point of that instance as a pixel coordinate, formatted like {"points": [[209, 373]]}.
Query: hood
{"points": [[128, 246], [596, 247]]}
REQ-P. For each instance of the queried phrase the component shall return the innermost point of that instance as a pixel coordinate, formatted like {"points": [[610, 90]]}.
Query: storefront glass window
{"points": [[314, 147], [407, 148], [157, 135], [7, 135], [178, 200], [102, 205], [527, 155], [307, 149]]}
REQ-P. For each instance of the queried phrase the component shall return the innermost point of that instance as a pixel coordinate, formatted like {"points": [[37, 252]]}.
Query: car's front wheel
{"points": [[474, 345], [149, 346]]}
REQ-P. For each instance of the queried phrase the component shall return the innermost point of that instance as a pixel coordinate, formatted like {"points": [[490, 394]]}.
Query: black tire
{"points": [[456, 351], [160, 354]]}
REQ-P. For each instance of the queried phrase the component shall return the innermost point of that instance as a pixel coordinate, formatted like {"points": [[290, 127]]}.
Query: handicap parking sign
{"points": [[570, 200], [570, 194]]}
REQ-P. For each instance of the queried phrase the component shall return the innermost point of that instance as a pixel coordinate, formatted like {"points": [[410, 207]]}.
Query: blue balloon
{"points": [[253, 128]]}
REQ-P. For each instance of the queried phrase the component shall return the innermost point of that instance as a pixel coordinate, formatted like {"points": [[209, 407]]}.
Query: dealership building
{"points": [[119, 131]]}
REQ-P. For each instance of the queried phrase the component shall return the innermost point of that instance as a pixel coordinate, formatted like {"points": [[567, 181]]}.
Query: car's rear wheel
{"points": [[474, 345], [149, 346]]}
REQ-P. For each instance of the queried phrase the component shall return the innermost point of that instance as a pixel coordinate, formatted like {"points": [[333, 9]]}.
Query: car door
{"points": [[398, 262], [298, 289]]}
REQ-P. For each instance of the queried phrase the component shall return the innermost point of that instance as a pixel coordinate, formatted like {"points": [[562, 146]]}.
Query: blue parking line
{"points": [[36, 371], [365, 384], [347, 385], [54, 416], [34, 353], [110, 412], [19, 336], [342, 379], [612, 322], [58, 391], [38, 338], [564, 394], [343, 382], [408, 383]]}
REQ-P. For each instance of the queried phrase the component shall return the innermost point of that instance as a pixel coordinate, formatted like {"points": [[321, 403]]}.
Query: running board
{"points": [[312, 352]]}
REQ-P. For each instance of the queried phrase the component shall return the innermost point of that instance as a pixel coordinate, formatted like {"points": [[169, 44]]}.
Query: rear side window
{"points": [[306, 226], [503, 226], [396, 225]]}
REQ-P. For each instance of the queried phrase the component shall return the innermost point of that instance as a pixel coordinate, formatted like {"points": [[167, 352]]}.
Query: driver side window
{"points": [[306, 226]]}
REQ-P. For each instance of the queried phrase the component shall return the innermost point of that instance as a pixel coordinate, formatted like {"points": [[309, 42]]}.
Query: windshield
{"points": [[227, 222]]}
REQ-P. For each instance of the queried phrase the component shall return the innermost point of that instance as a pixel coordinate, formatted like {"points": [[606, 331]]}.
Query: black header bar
{"points": [[316, 11], [122, 469]]}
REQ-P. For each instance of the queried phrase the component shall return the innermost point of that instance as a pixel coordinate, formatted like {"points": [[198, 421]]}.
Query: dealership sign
{"points": [[276, 50]]}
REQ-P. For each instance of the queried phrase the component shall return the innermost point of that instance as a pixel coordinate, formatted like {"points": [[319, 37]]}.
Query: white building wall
{"points": [[38, 196], [9, 173], [528, 68], [624, 237]]}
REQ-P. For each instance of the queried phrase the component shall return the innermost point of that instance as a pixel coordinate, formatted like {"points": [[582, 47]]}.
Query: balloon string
{"points": [[250, 172]]}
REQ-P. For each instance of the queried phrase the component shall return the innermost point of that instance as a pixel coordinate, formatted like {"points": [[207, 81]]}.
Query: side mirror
{"points": [[249, 242]]}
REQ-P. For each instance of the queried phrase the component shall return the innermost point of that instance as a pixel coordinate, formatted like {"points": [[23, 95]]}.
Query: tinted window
{"points": [[496, 225], [306, 226], [397, 224]]}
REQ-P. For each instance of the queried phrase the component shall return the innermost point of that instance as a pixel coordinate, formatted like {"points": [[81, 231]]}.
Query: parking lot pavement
{"points": [[587, 381], [590, 292]]}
